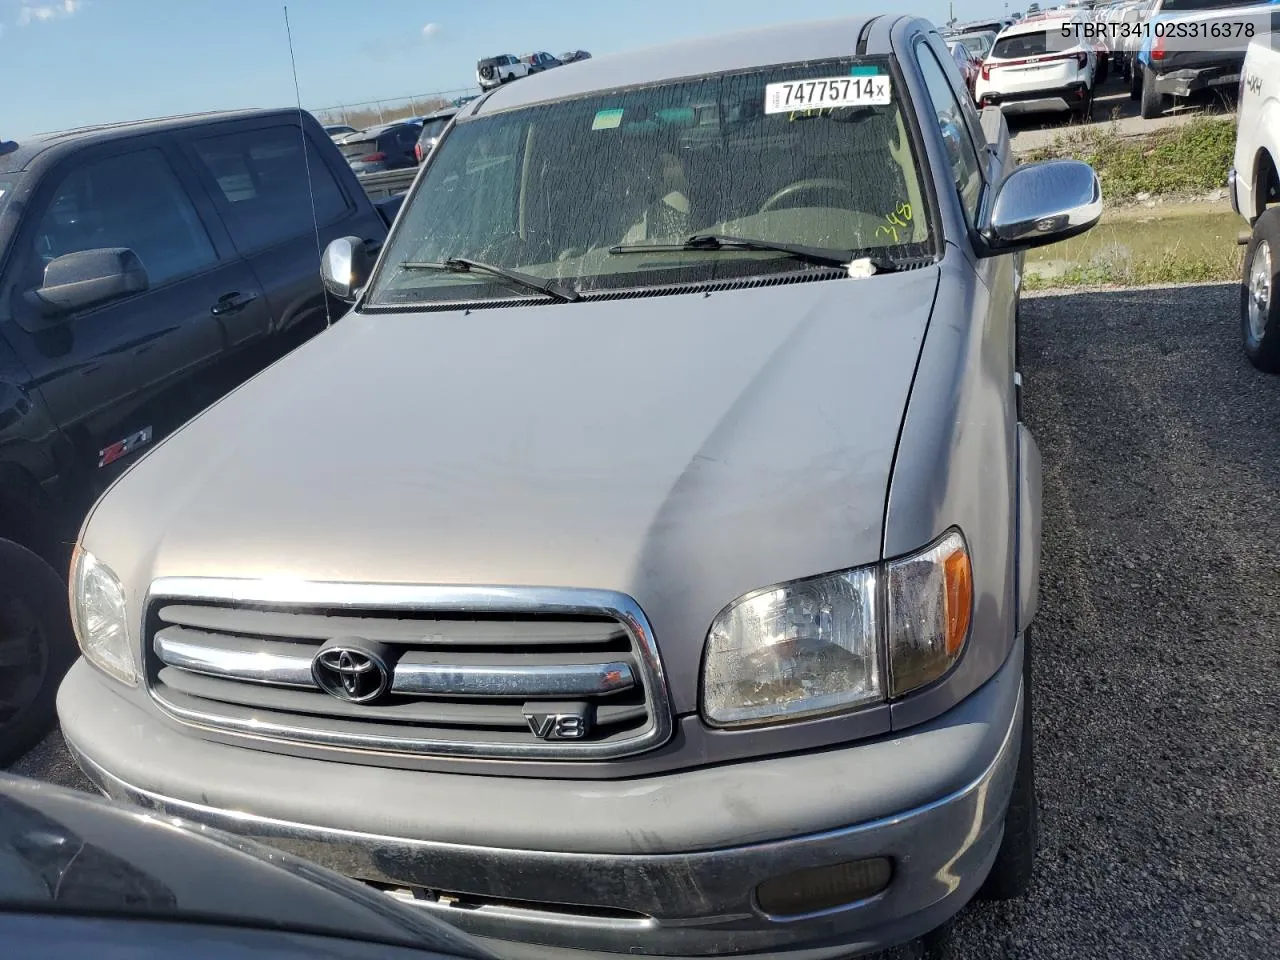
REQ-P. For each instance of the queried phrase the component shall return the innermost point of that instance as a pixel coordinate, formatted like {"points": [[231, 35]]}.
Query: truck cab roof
{"points": [[55, 143]]}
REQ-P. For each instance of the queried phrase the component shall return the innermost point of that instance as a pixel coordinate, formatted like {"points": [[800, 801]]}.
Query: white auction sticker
{"points": [[870, 90]]}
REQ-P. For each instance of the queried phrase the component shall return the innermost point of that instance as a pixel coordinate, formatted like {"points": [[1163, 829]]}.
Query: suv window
{"points": [[134, 200], [405, 137], [262, 174], [433, 128], [1021, 45], [552, 188], [966, 171]]}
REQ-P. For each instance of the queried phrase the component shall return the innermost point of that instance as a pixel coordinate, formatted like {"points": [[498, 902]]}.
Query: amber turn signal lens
{"points": [[930, 609], [959, 579]]}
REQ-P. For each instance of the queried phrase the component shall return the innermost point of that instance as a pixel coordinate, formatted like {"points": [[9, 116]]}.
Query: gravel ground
{"points": [[1157, 671]]}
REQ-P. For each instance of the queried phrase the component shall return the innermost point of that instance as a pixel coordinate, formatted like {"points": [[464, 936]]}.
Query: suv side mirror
{"points": [[345, 267], [1042, 203], [77, 281]]}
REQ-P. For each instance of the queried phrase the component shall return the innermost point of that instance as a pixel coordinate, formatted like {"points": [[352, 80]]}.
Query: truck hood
{"points": [[683, 450]]}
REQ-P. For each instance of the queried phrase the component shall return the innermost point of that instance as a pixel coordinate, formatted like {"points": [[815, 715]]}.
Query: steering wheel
{"points": [[800, 186]]}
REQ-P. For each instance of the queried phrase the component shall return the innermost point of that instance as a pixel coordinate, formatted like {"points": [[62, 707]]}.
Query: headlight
{"points": [[803, 648], [813, 647], [99, 618]]}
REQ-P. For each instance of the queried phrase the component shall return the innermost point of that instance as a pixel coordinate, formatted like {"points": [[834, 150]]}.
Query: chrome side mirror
{"points": [[1043, 203], [345, 267]]}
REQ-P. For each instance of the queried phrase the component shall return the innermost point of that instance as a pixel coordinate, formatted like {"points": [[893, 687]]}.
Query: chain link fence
{"points": [[370, 112]]}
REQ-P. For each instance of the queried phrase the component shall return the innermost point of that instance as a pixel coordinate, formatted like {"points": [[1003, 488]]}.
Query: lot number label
{"points": [[827, 92]]}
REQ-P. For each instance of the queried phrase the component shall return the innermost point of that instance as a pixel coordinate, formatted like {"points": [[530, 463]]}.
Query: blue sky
{"points": [[70, 62]]}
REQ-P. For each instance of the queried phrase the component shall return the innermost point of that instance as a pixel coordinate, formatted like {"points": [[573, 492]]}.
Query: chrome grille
{"points": [[466, 668]]}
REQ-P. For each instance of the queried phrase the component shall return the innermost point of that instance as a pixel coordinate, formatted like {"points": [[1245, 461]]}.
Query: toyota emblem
{"points": [[354, 673]]}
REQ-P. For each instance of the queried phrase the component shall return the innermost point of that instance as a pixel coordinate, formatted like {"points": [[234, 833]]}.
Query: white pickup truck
{"points": [[1254, 186]]}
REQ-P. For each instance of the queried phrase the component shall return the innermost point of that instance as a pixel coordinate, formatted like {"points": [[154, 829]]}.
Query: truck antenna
{"points": [[306, 160]]}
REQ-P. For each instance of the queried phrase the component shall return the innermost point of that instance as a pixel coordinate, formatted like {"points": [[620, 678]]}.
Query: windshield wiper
{"points": [[467, 265], [715, 241]]}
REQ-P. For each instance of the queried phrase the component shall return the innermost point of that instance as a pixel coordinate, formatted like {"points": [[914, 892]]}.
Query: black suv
{"points": [[387, 147], [145, 270]]}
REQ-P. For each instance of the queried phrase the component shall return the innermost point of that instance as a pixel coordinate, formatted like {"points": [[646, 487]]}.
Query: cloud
{"points": [[43, 12], [404, 44]]}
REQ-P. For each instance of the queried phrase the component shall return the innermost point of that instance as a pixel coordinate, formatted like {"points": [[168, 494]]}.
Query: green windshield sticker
{"points": [[864, 71], [607, 120]]}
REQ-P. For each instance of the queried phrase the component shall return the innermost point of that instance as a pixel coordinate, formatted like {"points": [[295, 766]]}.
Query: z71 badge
{"points": [[121, 448]]}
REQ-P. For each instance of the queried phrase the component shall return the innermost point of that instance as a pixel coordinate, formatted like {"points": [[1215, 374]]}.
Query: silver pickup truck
{"points": [[646, 563]]}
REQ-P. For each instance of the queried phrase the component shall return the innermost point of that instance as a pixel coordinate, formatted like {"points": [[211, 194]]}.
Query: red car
{"points": [[967, 62]]}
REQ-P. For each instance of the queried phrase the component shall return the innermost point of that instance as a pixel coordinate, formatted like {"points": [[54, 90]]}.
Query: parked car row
{"points": [[1162, 72], [1132, 41], [505, 68], [1021, 67], [1025, 73]]}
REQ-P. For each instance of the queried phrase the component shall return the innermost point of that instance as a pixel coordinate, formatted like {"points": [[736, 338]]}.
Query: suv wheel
{"points": [[1135, 82], [1010, 876], [36, 648], [1153, 102], [1259, 326]]}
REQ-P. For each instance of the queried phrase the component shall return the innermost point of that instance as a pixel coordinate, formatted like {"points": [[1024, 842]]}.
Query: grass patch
{"points": [[1129, 251], [1139, 273], [1193, 157]]}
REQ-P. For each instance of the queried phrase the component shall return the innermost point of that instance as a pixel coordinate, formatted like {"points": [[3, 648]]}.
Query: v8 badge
{"points": [[558, 721]]}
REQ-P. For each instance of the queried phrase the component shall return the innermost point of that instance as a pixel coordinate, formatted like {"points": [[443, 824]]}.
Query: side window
{"points": [[262, 174], [134, 200], [966, 170]]}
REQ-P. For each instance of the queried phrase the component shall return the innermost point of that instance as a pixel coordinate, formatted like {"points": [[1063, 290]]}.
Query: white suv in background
{"points": [[500, 69], [1022, 74]]}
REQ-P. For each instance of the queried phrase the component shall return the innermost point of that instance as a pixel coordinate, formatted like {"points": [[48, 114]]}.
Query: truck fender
{"points": [[31, 473], [1264, 181], [1029, 527]]}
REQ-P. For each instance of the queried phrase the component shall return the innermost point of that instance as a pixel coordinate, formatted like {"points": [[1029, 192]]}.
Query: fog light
{"points": [[823, 888]]}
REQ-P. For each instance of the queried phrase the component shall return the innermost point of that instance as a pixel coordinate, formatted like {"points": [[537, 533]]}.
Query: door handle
{"points": [[231, 303]]}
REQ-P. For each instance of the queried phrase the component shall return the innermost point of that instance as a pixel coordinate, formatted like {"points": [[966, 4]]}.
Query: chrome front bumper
{"points": [[696, 904]]}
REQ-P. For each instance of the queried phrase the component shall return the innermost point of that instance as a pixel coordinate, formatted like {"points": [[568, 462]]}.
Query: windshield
{"points": [[548, 190], [6, 190]]}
